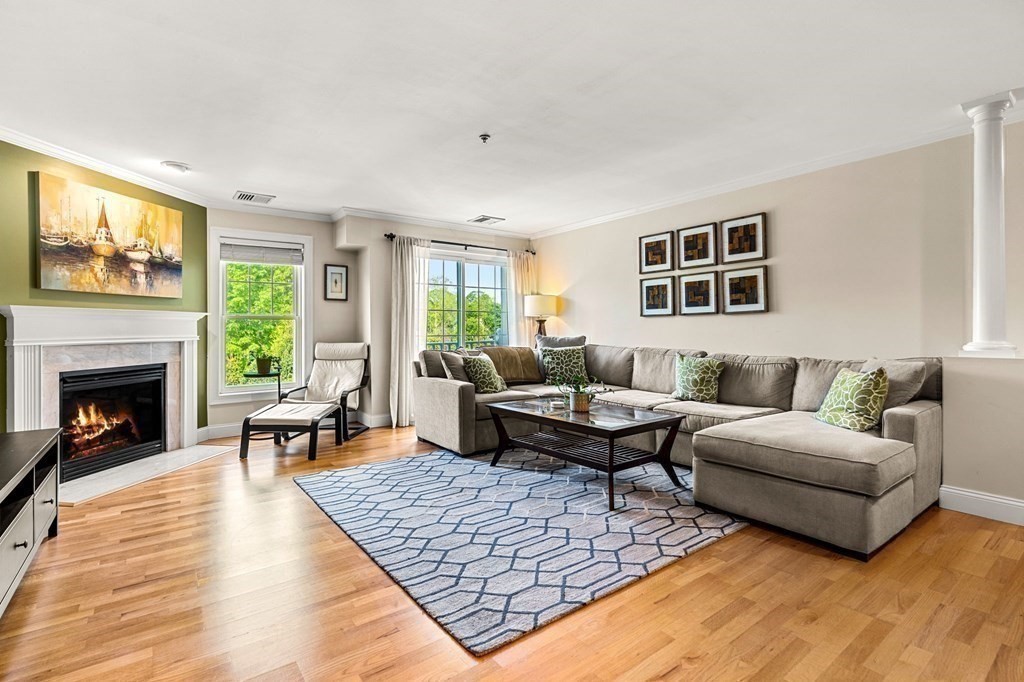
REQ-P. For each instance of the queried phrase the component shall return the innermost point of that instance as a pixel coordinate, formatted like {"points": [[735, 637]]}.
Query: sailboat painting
{"points": [[98, 241]]}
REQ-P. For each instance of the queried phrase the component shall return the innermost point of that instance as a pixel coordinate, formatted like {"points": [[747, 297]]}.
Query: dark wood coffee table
{"points": [[574, 436]]}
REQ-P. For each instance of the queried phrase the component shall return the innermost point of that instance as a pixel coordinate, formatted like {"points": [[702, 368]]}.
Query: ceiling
{"points": [[594, 107]]}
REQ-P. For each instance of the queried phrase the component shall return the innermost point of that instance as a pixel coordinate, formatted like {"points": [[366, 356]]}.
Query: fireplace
{"points": [[111, 416]]}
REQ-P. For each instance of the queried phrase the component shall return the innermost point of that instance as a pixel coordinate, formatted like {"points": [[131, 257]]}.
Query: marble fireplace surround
{"points": [[43, 341]]}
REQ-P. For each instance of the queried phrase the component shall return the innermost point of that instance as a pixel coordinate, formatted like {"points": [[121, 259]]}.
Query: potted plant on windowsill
{"points": [[579, 391], [266, 363]]}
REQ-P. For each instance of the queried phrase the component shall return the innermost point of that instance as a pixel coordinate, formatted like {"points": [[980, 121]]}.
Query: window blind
{"points": [[256, 252]]}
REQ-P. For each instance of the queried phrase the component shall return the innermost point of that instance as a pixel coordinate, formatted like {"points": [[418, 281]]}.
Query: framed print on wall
{"points": [[744, 238], [336, 282], [698, 293], [697, 246], [745, 290], [656, 253], [656, 297]]}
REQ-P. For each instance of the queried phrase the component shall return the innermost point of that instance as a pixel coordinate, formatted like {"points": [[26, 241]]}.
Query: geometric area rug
{"points": [[492, 553]]}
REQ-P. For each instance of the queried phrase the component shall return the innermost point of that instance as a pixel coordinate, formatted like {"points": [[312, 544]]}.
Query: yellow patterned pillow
{"points": [[855, 400]]}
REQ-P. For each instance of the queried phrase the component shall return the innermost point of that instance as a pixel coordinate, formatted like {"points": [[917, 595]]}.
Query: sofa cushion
{"points": [[700, 416], [485, 377], [633, 398], [559, 341], [454, 366], [483, 399], [813, 379], [697, 378], [756, 380], [905, 379], [564, 364], [855, 400], [794, 445], [431, 364], [654, 369], [931, 389], [610, 364], [515, 364]]}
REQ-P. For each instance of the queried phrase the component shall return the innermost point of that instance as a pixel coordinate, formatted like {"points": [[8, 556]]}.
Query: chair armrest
{"points": [[920, 423], [286, 394], [445, 413]]}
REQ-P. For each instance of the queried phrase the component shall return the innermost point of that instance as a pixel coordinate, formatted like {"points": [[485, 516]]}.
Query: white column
{"points": [[988, 336]]}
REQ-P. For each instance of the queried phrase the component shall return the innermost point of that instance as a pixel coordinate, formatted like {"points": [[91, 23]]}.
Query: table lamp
{"points": [[541, 306]]}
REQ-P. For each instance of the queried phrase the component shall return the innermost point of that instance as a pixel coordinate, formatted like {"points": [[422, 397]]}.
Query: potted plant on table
{"points": [[265, 363], [579, 390]]}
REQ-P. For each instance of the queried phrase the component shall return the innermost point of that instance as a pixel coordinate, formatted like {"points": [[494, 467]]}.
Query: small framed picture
{"points": [[697, 246], [336, 282], [657, 297], [698, 293], [744, 238], [745, 290], [656, 253]]}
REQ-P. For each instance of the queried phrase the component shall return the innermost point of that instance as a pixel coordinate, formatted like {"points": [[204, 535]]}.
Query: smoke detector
{"points": [[179, 166], [485, 220], [253, 197]]}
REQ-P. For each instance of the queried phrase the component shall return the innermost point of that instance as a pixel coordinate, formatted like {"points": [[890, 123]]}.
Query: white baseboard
{"points": [[230, 430], [374, 421], [987, 505], [219, 431]]}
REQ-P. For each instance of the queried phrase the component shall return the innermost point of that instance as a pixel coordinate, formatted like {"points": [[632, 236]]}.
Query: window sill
{"points": [[254, 396]]}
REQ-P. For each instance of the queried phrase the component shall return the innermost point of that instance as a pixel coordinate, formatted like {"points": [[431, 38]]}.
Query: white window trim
{"points": [[480, 257], [216, 392]]}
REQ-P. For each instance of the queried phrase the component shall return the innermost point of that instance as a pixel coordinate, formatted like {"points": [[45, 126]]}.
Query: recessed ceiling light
{"points": [[177, 165]]}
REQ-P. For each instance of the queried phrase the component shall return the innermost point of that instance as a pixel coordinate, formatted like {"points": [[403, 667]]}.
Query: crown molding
{"points": [[36, 145], [960, 130], [426, 222], [221, 204]]}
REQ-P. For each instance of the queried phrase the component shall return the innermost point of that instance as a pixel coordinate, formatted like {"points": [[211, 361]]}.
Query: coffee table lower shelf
{"points": [[584, 451]]}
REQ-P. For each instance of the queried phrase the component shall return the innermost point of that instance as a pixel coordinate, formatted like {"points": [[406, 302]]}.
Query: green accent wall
{"points": [[19, 227]]}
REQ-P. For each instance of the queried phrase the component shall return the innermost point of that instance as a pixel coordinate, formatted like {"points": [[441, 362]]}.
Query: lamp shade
{"points": [[540, 305]]}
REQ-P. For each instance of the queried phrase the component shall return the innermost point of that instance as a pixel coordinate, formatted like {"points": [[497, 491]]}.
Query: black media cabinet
{"points": [[29, 466]]}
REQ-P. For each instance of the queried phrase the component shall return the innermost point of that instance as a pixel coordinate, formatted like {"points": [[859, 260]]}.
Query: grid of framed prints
{"points": [[740, 290]]}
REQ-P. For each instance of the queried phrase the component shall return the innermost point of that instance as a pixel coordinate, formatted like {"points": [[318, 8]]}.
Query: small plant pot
{"points": [[580, 402], [264, 365]]}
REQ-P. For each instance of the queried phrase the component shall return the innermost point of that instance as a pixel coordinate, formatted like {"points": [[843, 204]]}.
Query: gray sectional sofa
{"points": [[758, 452]]}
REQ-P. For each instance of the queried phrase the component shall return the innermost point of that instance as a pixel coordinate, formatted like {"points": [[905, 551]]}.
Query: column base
{"points": [[989, 349]]}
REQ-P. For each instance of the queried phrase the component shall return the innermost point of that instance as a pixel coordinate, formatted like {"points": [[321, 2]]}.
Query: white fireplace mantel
{"points": [[31, 328]]}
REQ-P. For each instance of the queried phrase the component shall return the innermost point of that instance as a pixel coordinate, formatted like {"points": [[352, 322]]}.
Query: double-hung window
{"points": [[260, 310], [467, 300]]}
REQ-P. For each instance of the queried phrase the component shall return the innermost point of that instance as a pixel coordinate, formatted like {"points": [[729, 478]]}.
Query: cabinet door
{"points": [[15, 546], [46, 503]]}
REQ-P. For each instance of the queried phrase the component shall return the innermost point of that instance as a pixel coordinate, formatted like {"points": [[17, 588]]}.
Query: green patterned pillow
{"points": [[697, 378], [482, 373], [855, 400], [562, 364]]}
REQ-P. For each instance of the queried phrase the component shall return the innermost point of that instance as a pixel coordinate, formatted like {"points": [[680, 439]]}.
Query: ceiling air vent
{"points": [[253, 197], [485, 220]]}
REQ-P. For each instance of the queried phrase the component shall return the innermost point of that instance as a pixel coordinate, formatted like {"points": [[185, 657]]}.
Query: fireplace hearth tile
{"points": [[126, 475]]}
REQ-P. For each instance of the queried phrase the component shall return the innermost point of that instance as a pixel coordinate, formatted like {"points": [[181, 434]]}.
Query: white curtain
{"points": [[522, 270], [410, 262]]}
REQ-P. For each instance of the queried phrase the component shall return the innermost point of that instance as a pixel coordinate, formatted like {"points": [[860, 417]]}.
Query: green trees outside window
{"points": [[260, 319], [466, 304]]}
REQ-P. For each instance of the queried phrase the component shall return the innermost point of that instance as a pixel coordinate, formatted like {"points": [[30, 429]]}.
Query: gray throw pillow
{"points": [[560, 341], [905, 379], [454, 366]]}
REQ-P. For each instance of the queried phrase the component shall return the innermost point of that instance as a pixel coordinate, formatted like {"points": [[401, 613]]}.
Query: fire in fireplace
{"points": [[111, 416]]}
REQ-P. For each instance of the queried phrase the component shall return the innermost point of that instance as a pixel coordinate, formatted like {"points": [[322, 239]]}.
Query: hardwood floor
{"points": [[227, 570]]}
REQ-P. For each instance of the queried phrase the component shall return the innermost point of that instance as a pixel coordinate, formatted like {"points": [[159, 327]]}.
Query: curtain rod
{"points": [[391, 237]]}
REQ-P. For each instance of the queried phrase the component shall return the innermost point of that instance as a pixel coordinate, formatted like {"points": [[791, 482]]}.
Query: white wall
{"points": [[332, 320], [869, 258]]}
